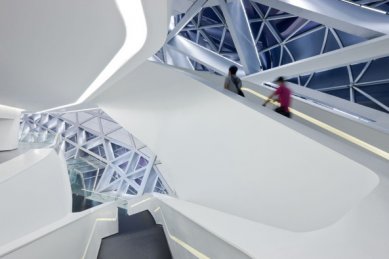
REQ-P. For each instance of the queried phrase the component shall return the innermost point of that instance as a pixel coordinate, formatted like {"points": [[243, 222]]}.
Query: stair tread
{"points": [[142, 242], [136, 222]]}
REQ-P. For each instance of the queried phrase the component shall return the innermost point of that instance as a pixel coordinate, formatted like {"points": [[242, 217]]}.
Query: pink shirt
{"points": [[283, 93]]}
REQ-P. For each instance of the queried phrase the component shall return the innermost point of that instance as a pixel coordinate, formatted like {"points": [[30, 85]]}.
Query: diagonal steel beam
{"points": [[331, 13], [178, 59], [275, 34], [222, 40], [281, 17], [366, 2], [219, 15], [380, 3], [383, 106], [194, 9], [236, 19], [204, 27], [209, 41], [202, 55]]}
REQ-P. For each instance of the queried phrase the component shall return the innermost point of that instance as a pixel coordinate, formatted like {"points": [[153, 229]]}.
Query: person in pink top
{"points": [[283, 93]]}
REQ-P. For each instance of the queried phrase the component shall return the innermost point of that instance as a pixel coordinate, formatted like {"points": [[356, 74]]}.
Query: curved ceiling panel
{"points": [[52, 50], [156, 19]]}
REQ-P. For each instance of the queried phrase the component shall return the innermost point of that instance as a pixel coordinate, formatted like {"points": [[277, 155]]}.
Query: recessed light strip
{"points": [[329, 128], [324, 105], [189, 248]]}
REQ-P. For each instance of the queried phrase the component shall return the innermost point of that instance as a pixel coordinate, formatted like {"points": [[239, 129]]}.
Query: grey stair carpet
{"points": [[139, 237]]}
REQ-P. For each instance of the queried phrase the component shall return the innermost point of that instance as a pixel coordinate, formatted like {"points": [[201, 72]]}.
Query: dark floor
{"points": [[139, 237], [81, 203]]}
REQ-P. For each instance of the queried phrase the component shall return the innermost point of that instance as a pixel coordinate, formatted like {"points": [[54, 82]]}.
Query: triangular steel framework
{"points": [[280, 38], [102, 162]]}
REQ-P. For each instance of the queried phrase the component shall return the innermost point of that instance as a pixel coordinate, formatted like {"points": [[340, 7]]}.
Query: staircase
{"points": [[139, 237]]}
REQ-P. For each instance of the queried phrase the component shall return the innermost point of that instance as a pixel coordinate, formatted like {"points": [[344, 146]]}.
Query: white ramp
{"points": [[220, 153]]}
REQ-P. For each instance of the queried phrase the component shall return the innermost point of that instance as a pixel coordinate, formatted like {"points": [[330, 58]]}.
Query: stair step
{"points": [[134, 223], [146, 244]]}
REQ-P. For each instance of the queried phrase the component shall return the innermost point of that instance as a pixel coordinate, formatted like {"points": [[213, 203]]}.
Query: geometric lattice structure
{"points": [[366, 83], [280, 38], [257, 37], [102, 156]]}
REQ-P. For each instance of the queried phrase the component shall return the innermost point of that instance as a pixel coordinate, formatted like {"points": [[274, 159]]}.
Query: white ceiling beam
{"points": [[358, 21], [354, 54]]}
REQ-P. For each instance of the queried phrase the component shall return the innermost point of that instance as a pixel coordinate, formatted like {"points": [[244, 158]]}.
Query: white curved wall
{"points": [[9, 127], [220, 153], [34, 192]]}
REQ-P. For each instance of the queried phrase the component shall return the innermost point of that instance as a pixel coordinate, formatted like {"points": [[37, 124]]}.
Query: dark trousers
{"points": [[283, 111]]}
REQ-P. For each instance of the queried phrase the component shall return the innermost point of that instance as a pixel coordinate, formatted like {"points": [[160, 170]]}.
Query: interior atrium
{"points": [[147, 129]]}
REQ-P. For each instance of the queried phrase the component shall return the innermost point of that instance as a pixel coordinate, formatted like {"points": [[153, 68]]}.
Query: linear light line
{"points": [[138, 203], [93, 232], [192, 250], [329, 128], [186, 246]]}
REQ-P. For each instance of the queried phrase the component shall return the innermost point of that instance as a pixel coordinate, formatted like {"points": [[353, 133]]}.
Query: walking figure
{"points": [[233, 82], [284, 96]]}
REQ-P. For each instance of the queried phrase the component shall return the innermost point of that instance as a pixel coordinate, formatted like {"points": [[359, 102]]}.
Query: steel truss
{"points": [[212, 38], [102, 156]]}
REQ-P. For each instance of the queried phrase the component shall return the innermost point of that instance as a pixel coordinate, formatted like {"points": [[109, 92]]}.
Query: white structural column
{"points": [[239, 27], [9, 127]]}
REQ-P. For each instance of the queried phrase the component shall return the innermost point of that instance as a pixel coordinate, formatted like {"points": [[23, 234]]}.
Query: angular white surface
{"points": [[156, 20], [51, 51], [78, 235], [9, 127], [221, 154], [34, 192]]}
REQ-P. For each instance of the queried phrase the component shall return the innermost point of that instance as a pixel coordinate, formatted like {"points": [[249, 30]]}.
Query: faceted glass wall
{"points": [[102, 156]]}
